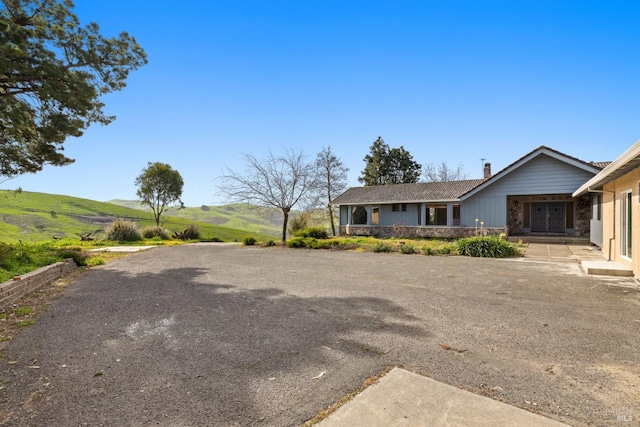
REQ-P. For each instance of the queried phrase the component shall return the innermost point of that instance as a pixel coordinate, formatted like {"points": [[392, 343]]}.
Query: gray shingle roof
{"points": [[407, 193]]}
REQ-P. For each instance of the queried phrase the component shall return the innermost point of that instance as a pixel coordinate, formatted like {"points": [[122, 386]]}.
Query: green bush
{"points": [[445, 250], [249, 241], [123, 231], [486, 247], [407, 249], [78, 255], [296, 242], [95, 260], [151, 232], [427, 250], [315, 232], [270, 243], [382, 247], [192, 232]]}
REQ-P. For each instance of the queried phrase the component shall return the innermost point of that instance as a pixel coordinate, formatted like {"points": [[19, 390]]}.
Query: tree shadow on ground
{"points": [[170, 348]]}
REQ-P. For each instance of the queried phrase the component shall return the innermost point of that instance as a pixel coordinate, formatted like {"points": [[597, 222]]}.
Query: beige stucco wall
{"points": [[611, 217]]}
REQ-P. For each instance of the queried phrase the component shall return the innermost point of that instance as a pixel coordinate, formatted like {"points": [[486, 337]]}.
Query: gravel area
{"points": [[241, 336]]}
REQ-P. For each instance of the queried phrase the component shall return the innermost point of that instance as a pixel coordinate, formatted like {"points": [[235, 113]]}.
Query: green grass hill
{"points": [[241, 216], [32, 217]]}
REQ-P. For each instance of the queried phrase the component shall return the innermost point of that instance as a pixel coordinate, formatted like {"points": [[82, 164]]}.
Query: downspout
{"points": [[613, 232]]}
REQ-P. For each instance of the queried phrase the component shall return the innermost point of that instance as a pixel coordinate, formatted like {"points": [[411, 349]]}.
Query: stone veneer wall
{"points": [[12, 290], [409, 232], [582, 214]]}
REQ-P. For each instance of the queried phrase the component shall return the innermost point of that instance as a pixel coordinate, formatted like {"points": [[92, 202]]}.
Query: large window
{"points": [[625, 224], [437, 215], [359, 215]]}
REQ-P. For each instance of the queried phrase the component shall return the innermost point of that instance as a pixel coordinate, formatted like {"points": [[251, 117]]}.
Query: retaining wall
{"points": [[12, 290]]}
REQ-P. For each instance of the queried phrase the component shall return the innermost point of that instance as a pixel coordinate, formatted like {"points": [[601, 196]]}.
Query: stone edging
{"points": [[12, 290]]}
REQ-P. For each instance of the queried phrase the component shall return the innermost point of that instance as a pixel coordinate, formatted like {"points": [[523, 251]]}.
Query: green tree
{"points": [[332, 180], [277, 181], [385, 165], [403, 169], [53, 73], [159, 186], [376, 170]]}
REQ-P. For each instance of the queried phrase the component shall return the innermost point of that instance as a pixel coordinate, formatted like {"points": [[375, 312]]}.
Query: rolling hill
{"points": [[32, 217], [241, 216]]}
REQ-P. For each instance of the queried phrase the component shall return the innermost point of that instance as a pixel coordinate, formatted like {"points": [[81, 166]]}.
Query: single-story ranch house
{"points": [[532, 195], [617, 190]]}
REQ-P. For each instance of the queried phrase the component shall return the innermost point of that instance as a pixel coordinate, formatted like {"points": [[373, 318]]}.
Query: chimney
{"points": [[487, 170]]}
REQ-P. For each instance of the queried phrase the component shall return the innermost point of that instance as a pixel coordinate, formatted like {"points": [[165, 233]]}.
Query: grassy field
{"points": [[239, 216], [36, 217]]}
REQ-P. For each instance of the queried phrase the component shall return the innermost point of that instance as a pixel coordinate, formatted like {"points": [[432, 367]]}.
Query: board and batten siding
{"points": [[389, 217], [540, 176]]}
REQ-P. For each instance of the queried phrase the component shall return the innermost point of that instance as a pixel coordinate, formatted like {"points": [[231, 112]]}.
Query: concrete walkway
{"points": [[590, 258], [402, 398]]}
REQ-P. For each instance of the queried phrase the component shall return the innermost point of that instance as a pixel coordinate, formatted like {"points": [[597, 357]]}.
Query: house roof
{"points": [[407, 193], [624, 164], [542, 150], [453, 190]]}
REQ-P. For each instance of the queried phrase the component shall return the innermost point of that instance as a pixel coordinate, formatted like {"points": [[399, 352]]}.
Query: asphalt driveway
{"points": [[231, 335]]}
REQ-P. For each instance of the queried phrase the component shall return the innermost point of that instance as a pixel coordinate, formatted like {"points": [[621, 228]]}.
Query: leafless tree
{"points": [[275, 181], [443, 173], [332, 180]]}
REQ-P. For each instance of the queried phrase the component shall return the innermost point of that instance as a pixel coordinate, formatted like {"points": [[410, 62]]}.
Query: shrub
{"points": [[298, 223], [78, 255], [249, 241], [123, 231], [427, 250], [296, 242], [382, 247], [315, 232], [151, 232], [270, 243], [192, 232], [95, 260], [444, 250], [407, 249], [487, 247]]}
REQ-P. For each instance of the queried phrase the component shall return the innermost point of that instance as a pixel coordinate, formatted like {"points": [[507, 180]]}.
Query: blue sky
{"points": [[452, 81]]}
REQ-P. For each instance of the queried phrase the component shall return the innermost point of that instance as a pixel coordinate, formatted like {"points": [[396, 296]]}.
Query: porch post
{"points": [[449, 214], [349, 214], [369, 214], [423, 213]]}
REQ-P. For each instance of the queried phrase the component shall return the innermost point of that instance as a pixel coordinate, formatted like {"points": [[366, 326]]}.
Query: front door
{"points": [[548, 217]]}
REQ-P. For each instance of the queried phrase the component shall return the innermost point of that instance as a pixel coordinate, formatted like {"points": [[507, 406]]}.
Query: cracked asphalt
{"points": [[239, 336]]}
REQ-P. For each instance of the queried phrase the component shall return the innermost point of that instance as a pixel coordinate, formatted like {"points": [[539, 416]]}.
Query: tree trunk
{"points": [[285, 212], [333, 226]]}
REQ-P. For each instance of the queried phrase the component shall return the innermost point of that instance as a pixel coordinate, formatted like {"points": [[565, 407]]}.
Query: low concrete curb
{"points": [[402, 398], [12, 290]]}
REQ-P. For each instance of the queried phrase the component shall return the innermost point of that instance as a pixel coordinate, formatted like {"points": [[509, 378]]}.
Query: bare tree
{"points": [[443, 173], [332, 179], [275, 181]]}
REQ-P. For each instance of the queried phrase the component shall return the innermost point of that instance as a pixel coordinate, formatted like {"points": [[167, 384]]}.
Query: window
{"points": [[596, 210], [375, 215], [456, 214], [359, 215], [437, 215], [399, 207]]}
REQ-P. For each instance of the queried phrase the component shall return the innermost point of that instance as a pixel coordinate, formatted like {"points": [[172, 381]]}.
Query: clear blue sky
{"points": [[451, 81]]}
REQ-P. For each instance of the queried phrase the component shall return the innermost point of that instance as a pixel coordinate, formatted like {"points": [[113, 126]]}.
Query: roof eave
{"points": [[614, 170]]}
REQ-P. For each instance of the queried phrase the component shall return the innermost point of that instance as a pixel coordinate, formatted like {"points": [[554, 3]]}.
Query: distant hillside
{"points": [[33, 217], [240, 216]]}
